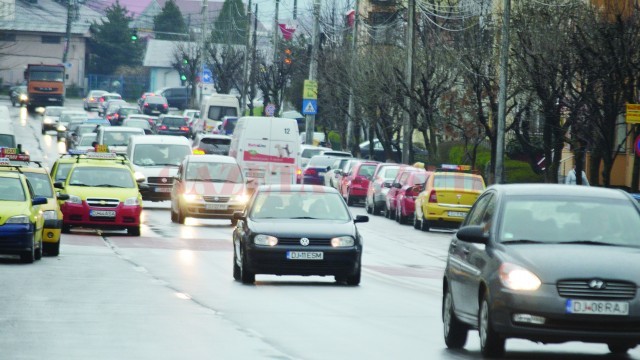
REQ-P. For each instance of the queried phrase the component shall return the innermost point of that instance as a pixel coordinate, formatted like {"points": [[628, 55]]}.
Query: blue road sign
{"points": [[207, 76], [309, 106]]}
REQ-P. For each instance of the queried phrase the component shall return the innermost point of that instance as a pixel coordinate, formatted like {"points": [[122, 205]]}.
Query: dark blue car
{"points": [[314, 172]]}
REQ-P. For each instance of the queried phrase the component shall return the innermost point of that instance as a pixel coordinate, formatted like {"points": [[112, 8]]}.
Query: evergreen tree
{"points": [[170, 20], [110, 43], [231, 25]]}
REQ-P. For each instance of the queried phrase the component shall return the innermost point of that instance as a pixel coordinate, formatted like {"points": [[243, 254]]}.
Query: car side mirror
{"points": [[328, 168], [361, 219], [62, 197], [386, 184], [337, 171], [239, 215], [397, 185], [58, 185], [39, 200], [142, 186], [473, 234]]}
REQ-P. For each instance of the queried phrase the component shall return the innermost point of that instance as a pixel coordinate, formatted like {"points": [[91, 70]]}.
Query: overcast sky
{"points": [[267, 9]]}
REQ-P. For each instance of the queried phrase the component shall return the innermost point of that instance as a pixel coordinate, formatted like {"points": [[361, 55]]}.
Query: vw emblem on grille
{"points": [[164, 180], [597, 284], [304, 241], [102, 202]]}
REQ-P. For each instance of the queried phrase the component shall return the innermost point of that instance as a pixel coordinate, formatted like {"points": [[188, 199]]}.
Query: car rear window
{"points": [[155, 99], [172, 121], [458, 181], [367, 170], [320, 162], [309, 153], [214, 141]]}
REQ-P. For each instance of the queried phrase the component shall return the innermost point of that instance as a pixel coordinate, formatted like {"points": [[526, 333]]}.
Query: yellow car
{"points": [[21, 216], [43, 186], [103, 193], [446, 198]]}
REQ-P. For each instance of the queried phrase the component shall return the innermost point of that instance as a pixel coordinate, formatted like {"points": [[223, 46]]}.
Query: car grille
{"points": [[296, 241], [158, 180], [103, 202], [216, 199], [579, 289]]}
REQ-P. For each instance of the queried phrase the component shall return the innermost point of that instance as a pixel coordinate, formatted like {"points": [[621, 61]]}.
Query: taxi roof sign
{"points": [[101, 155], [13, 154], [5, 161]]}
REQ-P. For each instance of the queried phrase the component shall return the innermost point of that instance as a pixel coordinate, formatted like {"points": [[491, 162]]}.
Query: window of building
{"points": [[46, 39], [7, 37]]}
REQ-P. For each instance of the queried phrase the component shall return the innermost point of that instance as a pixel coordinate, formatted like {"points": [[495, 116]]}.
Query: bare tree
{"points": [[187, 57]]}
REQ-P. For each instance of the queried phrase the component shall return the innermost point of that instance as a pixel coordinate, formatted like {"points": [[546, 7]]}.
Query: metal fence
{"points": [[130, 87]]}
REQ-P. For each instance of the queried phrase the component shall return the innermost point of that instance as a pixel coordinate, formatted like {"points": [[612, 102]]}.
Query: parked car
{"points": [[19, 95], [409, 189], [154, 105], [446, 199], [177, 97], [383, 176], [297, 230], [139, 123], [104, 99], [342, 172], [309, 151], [317, 166], [400, 179], [92, 100], [331, 176], [122, 113], [354, 185], [173, 125], [209, 187], [547, 263], [50, 118], [211, 144]]}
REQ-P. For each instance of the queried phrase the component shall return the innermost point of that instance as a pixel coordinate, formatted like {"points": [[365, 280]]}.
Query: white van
{"points": [[117, 137], [215, 108], [267, 149], [157, 157]]}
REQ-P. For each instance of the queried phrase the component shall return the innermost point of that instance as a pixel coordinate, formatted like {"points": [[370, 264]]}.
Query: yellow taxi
{"points": [[21, 215], [103, 194], [447, 197]]}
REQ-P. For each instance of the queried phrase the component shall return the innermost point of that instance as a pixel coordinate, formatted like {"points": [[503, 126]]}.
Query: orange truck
{"points": [[45, 85]]}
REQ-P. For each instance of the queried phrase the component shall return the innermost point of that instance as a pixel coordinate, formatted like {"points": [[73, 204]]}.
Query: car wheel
{"points": [[396, 217], [354, 279], [174, 218], [401, 218], [236, 268], [29, 256], [180, 216], [367, 207], [417, 224], [66, 229], [349, 198], [620, 348], [246, 276], [38, 252], [424, 224], [234, 222], [455, 332], [43, 131], [375, 210], [134, 230], [491, 343], [52, 249], [387, 212]]}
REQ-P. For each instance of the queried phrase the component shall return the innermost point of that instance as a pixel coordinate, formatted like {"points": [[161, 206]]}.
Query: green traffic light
{"points": [[183, 77], [134, 38], [185, 61]]}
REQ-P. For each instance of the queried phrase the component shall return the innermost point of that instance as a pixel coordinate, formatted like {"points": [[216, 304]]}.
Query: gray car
{"points": [[547, 263]]}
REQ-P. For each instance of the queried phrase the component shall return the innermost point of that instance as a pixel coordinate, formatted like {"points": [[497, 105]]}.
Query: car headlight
{"points": [[24, 97], [20, 219], [61, 128], [74, 200], [342, 241], [192, 197], [139, 176], [267, 240], [48, 120], [515, 277], [241, 198], [50, 215], [132, 201]]}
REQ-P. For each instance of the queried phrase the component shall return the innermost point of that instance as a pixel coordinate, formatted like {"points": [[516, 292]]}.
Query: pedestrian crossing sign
{"points": [[309, 106]]}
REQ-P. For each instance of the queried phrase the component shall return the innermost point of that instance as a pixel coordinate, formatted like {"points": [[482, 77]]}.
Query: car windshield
{"points": [[309, 153], [320, 161], [81, 130], [215, 142], [7, 140], [367, 170], [417, 178], [155, 100], [118, 138], [101, 177], [299, 205], [218, 112], [40, 183], [214, 172], [564, 219], [457, 181], [159, 154], [63, 171], [389, 172], [87, 139], [11, 189]]}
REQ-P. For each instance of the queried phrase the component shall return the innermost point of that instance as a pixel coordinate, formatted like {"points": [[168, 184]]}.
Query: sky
{"points": [[267, 9]]}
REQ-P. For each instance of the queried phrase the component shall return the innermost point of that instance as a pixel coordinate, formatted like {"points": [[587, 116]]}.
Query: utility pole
{"points": [[407, 130], [502, 98], [245, 87], [295, 9], [354, 53], [252, 75], [67, 40], [275, 34], [203, 43], [313, 67]]}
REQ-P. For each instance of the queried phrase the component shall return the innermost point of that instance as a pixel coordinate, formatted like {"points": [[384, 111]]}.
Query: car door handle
{"points": [[466, 250]]}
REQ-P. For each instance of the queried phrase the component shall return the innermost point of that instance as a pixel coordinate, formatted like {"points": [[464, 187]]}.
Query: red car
{"points": [[379, 187], [354, 184], [396, 185], [407, 193]]}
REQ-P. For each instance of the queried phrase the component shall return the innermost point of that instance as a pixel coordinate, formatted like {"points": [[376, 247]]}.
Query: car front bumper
{"points": [[206, 210], [51, 232], [15, 238], [79, 215], [273, 260], [560, 326]]}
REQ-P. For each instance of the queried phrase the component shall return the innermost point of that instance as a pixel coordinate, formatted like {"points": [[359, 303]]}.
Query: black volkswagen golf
{"points": [[548, 263], [297, 230]]}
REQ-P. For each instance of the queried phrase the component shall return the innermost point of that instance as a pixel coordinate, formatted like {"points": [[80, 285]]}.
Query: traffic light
{"points": [[183, 77], [185, 61], [287, 56], [134, 35]]}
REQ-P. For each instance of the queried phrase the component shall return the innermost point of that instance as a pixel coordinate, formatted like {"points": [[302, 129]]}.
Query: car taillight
{"points": [[432, 197], [198, 151], [108, 117], [101, 100], [165, 105], [184, 128], [310, 172], [162, 127], [146, 104]]}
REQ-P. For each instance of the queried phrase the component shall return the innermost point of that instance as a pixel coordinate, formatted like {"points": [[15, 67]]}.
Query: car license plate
{"points": [[255, 174], [102, 213], [53, 99], [173, 128], [305, 255], [163, 189], [457, 214], [596, 307], [320, 173], [216, 206]]}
